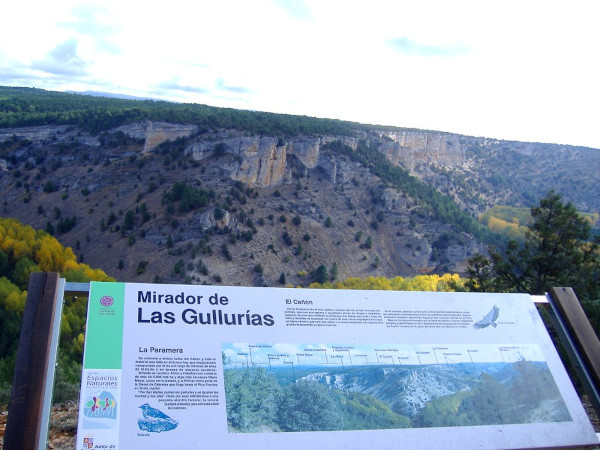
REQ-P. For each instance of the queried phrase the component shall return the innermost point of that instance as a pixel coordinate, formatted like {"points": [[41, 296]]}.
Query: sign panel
{"points": [[180, 366]]}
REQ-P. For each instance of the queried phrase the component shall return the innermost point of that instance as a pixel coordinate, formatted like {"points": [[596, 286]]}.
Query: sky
{"points": [[523, 70]]}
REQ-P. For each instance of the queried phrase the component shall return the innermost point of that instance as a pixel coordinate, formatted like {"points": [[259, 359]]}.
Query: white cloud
{"points": [[410, 47], [505, 69], [63, 60]]}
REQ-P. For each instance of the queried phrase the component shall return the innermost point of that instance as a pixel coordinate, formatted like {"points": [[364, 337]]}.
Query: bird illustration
{"points": [[155, 420], [151, 413], [489, 319]]}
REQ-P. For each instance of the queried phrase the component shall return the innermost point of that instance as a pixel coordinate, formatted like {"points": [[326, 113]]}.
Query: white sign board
{"points": [[180, 366]]}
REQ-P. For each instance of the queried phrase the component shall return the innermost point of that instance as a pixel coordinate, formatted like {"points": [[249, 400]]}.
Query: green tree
{"points": [[557, 252], [490, 403], [481, 276], [309, 406], [333, 272], [251, 398], [129, 220], [22, 270], [320, 274], [4, 264]]}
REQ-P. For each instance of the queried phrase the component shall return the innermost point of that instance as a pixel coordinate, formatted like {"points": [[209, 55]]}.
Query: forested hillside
{"points": [[150, 191], [157, 191], [26, 107], [23, 251]]}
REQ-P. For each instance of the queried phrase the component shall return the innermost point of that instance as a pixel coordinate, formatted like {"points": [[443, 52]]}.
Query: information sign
{"points": [[185, 366]]}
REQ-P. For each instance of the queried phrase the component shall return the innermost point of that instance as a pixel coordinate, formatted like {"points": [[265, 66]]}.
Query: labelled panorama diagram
{"points": [[237, 355], [317, 387]]}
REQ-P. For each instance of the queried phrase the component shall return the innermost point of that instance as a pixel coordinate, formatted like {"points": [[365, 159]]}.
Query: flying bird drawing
{"points": [[489, 319]]}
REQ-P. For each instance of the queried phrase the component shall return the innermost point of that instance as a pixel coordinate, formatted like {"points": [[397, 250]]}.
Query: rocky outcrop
{"points": [[257, 161], [408, 148], [49, 134], [155, 133], [263, 162], [33, 134], [308, 150], [207, 220]]}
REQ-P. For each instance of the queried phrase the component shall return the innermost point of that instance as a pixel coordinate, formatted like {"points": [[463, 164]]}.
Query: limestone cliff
{"points": [[290, 203], [408, 148], [263, 161], [155, 133]]}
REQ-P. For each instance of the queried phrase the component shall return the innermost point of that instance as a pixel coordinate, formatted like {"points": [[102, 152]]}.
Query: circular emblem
{"points": [[107, 300]]}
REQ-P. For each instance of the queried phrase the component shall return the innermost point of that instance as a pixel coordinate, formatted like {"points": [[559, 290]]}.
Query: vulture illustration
{"points": [[489, 319]]}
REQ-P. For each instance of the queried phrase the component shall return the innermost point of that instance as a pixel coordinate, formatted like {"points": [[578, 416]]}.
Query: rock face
{"points": [[307, 150], [33, 134], [263, 161], [411, 147], [206, 220], [239, 172], [155, 133], [49, 134]]}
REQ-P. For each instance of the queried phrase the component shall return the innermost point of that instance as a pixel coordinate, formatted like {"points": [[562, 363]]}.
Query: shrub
{"points": [[50, 186], [141, 268]]}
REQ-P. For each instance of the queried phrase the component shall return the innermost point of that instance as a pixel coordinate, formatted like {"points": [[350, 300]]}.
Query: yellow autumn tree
{"points": [[433, 283], [24, 250]]}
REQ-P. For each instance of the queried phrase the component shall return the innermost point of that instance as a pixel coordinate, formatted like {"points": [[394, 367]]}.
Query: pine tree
{"points": [[557, 251]]}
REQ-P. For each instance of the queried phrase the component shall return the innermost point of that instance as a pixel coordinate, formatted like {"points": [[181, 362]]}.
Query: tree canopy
{"points": [[558, 250], [23, 251]]}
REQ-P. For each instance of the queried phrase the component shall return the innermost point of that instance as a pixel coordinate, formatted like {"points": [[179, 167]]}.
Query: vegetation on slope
{"points": [[513, 222], [441, 207], [21, 107], [432, 283], [23, 251], [558, 250]]}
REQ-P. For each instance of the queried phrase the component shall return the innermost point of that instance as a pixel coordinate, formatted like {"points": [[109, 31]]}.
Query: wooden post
{"points": [[579, 334], [23, 429]]}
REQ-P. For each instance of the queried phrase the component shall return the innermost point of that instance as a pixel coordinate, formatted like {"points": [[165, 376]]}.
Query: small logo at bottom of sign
{"points": [[88, 441]]}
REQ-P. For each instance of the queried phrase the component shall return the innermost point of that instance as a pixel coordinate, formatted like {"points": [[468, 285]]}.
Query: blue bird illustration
{"points": [[151, 413], [489, 319], [155, 420]]}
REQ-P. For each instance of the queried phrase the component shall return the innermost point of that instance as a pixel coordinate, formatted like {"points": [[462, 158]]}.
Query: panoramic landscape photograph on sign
{"points": [[316, 387]]}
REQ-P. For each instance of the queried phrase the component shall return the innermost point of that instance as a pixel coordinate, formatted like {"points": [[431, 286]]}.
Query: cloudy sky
{"points": [[525, 70]]}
